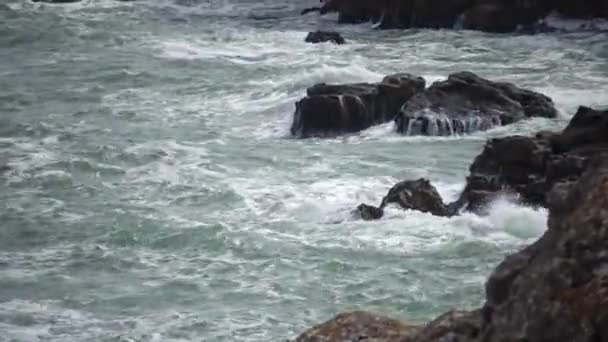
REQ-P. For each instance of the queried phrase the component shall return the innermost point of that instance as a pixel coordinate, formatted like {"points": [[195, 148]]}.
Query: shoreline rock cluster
{"points": [[461, 104], [486, 15], [556, 289], [527, 167]]}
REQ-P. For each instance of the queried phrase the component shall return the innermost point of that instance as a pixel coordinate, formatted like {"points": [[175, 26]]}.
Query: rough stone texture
{"points": [[466, 103], [557, 288], [358, 326], [415, 195], [335, 109], [325, 36], [531, 166], [553, 290], [486, 15]]}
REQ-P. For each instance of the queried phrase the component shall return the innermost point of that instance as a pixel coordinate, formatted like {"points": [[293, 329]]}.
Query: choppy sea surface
{"points": [[150, 191]]}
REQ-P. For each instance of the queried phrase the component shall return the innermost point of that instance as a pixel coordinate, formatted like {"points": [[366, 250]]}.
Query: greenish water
{"points": [[150, 190]]}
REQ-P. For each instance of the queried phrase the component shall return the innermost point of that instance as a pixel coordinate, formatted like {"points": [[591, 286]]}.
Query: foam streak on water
{"points": [[150, 191]]}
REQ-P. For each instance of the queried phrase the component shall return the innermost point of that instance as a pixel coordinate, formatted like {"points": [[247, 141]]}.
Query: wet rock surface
{"points": [[325, 36], [486, 15], [465, 103], [556, 289], [335, 109]]}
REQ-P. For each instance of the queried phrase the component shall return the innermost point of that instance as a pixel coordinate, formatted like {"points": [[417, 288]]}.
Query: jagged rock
{"points": [[418, 195], [486, 15], [335, 109], [465, 103], [369, 212], [358, 326], [325, 36], [553, 290], [557, 288], [531, 166]]}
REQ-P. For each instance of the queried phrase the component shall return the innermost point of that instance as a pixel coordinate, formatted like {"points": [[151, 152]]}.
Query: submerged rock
{"points": [[325, 36], [466, 103], [334, 109], [553, 290]]}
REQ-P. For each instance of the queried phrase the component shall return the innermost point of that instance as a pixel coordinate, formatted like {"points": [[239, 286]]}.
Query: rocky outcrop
{"points": [[531, 166], [334, 109], [525, 167], [465, 103], [325, 36], [485, 15], [417, 195], [554, 290]]}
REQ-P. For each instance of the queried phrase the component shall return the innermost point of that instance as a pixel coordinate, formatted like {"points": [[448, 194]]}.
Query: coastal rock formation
{"points": [[325, 36], [527, 167], [554, 290], [334, 109], [485, 15], [531, 166], [417, 195], [465, 103]]}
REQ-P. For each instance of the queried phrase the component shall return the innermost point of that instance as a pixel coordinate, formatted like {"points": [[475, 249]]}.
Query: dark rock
{"points": [[325, 36], [410, 195], [335, 109], [553, 290], [417, 195], [369, 212], [486, 15], [57, 1], [358, 326], [465, 103], [532, 166]]}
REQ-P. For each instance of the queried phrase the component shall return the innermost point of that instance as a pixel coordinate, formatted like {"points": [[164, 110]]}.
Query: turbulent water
{"points": [[150, 190]]}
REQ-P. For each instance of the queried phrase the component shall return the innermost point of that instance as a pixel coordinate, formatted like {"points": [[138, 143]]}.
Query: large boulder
{"points": [[335, 109], [553, 290], [466, 103]]}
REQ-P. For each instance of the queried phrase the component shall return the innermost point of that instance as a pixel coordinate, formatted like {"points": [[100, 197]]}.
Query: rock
{"points": [[417, 195], [466, 103], [557, 288], [325, 36], [531, 166], [57, 1], [369, 212], [335, 109], [358, 326], [553, 290], [409, 195], [486, 15]]}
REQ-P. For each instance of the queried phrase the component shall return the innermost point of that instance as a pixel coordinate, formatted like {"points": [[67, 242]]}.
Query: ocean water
{"points": [[150, 190]]}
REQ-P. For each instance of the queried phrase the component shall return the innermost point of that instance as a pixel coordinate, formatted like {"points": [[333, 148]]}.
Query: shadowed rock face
{"points": [[334, 109], [527, 167], [466, 103], [554, 290], [485, 15]]}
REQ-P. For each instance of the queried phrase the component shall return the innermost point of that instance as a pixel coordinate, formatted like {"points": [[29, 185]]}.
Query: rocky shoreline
{"points": [[485, 15], [556, 289]]}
